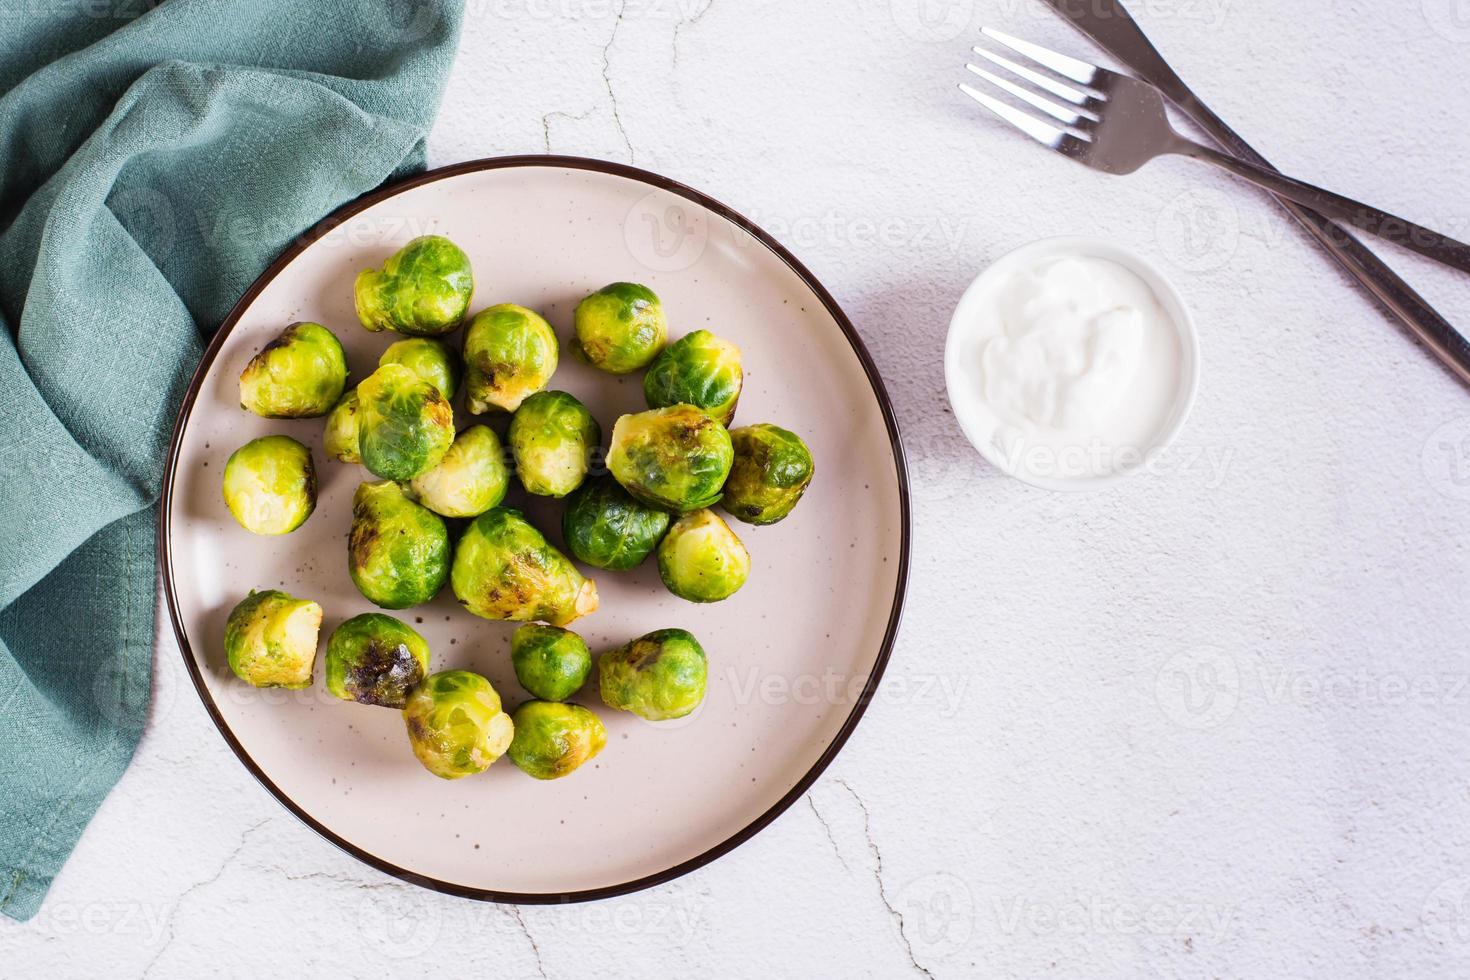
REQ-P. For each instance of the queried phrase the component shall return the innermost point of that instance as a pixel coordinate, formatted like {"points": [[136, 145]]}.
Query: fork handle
{"points": [[1389, 227]]}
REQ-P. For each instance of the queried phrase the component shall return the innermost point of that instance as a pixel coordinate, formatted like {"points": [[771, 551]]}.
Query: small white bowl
{"points": [[977, 428]]}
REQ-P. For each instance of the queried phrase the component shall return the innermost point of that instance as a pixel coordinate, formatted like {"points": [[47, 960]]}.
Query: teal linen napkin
{"points": [[157, 156]]}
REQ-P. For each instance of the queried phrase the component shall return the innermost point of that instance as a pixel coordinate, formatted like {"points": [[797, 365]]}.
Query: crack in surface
{"points": [[607, 78], [690, 21], [515, 913], [827, 828], [357, 883], [179, 902], [893, 912], [558, 114]]}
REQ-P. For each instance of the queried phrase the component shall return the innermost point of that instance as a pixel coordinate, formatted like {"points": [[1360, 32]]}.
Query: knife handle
{"points": [[1364, 217], [1433, 330]]}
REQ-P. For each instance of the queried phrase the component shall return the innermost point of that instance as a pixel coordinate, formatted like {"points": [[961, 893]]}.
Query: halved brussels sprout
{"points": [[270, 485], [456, 725], [405, 425], [422, 290], [701, 559], [658, 676], [270, 639], [397, 551], [772, 469], [550, 662], [700, 370], [299, 375], [470, 479], [620, 328], [340, 440], [375, 659], [552, 437], [674, 458], [433, 360], [552, 740], [505, 569], [509, 352], [605, 527]]}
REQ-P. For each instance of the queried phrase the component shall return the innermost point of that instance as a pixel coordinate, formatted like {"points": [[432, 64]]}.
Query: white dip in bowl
{"points": [[1071, 363]]}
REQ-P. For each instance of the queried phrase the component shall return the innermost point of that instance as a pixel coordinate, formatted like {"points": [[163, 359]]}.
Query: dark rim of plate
{"points": [[342, 215]]}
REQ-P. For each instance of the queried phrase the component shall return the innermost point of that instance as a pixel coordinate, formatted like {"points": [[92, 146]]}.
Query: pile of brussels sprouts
{"points": [[435, 514]]}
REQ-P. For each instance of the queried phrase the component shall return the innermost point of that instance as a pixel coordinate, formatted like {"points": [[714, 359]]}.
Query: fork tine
{"points": [[1078, 71], [1060, 113], [1075, 96], [1037, 129]]}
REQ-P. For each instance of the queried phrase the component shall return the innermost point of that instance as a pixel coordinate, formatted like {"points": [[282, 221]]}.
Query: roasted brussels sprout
{"points": [[375, 659], [405, 425], [470, 479], [550, 662], [701, 559], [422, 290], [270, 485], [674, 458], [270, 639], [620, 328], [552, 437], [340, 439], [658, 676], [397, 551], [456, 725], [604, 526], [552, 740], [700, 370], [433, 360], [772, 469], [509, 352], [299, 375], [505, 569]]}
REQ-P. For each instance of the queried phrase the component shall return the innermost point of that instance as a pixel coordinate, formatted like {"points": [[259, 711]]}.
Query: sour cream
{"points": [[1066, 367]]}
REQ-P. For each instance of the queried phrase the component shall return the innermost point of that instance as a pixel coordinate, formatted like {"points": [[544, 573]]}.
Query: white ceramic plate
{"points": [[795, 656]]}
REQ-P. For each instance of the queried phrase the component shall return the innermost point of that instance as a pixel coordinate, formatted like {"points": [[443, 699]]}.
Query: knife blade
{"points": [[1112, 28]]}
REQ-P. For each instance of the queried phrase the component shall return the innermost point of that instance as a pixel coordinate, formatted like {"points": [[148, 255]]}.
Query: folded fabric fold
{"points": [[156, 160]]}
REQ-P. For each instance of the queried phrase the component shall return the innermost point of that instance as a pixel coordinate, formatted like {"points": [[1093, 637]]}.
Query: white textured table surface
{"points": [[1212, 723]]}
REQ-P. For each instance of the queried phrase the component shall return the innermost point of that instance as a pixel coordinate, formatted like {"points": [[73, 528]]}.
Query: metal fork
{"points": [[1116, 124]]}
